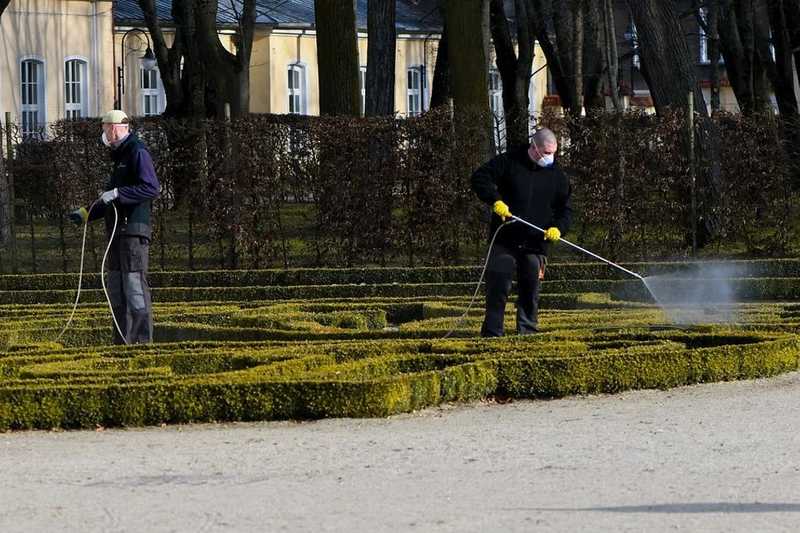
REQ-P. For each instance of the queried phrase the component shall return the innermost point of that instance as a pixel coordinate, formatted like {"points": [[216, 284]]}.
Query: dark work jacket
{"points": [[135, 179], [533, 193]]}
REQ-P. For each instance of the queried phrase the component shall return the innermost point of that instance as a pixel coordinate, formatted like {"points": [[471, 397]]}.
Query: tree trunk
{"points": [[193, 78], [337, 53], [783, 16], [514, 71], [209, 45], [780, 70], [575, 59], [737, 46], [612, 53], [441, 72], [5, 197], [467, 54], [594, 63], [169, 58], [792, 10], [710, 26], [244, 51], [577, 55], [211, 75], [564, 26], [665, 53], [381, 49], [221, 73], [712, 38], [671, 77], [543, 17], [8, 195]]}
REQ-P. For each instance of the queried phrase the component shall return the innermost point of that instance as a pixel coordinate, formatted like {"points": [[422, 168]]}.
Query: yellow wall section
{"points": [[52, 31]]}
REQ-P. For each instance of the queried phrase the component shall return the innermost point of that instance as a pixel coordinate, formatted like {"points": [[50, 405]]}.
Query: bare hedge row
{"points": [[278, 190]]}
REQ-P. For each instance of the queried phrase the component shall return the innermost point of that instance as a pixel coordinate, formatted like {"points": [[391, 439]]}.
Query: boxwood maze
{"points": [[264, 345]]}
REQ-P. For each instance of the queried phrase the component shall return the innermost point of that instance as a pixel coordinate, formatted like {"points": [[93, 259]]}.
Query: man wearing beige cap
{"points": [[130, 191]]}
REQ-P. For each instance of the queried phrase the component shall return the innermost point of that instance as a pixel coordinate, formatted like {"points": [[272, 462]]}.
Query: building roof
{"points": [[413, 16]]}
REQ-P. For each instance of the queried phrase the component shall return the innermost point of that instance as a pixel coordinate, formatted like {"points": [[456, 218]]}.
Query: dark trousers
{"points": [[129, 290], [499, 272]]}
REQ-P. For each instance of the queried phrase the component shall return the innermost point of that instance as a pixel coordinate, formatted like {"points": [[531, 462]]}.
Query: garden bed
{"points": [[375, 348]]}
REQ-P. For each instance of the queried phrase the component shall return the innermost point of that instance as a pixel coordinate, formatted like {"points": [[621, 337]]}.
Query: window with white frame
{"points": [[532, 107], [296, 75], [32, 84], [416, 90], [362, 83], [703, 38], [75, 89], [704, 58], [636, 61], [532, 97], [771, 46], [151, 91], [495, 93], [496, 107]]}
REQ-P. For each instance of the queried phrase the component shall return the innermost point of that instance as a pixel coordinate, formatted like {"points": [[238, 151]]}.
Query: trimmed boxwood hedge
{"points": [[762, 268], [747, 289], [378, 386], [256, 351]]}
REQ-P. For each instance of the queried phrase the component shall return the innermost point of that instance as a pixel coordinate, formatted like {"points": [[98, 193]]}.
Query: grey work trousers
{"points": [[499, 273], [129, 290]]}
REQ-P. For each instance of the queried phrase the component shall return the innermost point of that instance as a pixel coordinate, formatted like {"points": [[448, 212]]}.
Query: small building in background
{"points": [[56, 61]]}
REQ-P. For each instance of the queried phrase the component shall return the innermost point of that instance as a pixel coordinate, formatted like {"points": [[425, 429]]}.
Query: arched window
{"points": [[153, 100], [496, 107], [32, 84], [296, 76], [416, 90], [362, 82], [76, 88], [495, 93]]}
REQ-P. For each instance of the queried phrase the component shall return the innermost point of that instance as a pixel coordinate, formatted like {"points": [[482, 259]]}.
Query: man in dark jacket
{"points": [[527, 183], [131, 189]]}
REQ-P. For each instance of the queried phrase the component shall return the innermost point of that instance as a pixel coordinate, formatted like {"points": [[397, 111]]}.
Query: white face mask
{"points": [[546, 160], [105, 140]]}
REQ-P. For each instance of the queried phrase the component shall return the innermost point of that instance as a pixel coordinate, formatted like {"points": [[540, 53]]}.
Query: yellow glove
{"points": [[552, 234], [501, 209], [79, 216]]}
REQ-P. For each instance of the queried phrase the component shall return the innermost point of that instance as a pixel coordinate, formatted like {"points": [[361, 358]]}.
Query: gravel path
{"points": [[721, 457]]}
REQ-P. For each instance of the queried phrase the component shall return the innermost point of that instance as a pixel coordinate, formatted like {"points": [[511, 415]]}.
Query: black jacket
{"points": [[135, 179], [533, 193]]}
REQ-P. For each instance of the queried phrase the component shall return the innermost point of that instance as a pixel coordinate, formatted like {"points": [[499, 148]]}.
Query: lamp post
{"points": [[148, 62]]}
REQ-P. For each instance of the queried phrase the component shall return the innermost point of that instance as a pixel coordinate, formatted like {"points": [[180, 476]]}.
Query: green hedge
{"points": [[300, 321], [381, 385], [754, 289], [772, 268], [253, 353]]}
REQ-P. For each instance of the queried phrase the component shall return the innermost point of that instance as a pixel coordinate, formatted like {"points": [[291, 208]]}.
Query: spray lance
{"points": [[534, 226], [102, 273], [584, 250]]}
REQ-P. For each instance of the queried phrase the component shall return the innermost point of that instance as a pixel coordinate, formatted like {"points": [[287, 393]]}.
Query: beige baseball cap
{"points": [[115, 116]]}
